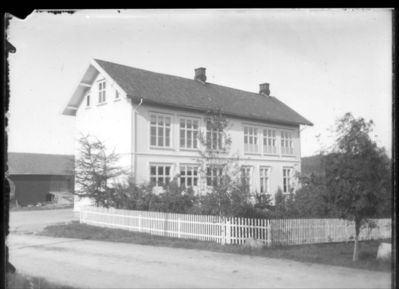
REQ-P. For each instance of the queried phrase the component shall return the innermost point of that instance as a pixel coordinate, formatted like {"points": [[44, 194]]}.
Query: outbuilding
{"points": [[40, 178]]}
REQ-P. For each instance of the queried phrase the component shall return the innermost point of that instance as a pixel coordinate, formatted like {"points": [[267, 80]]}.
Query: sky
{"points": [[320, 62]]}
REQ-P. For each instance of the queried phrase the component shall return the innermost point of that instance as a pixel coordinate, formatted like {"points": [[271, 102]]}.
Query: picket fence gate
{"points": [[233, 230]]}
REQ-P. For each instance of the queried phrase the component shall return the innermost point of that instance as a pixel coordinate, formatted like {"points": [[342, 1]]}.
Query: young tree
{"points": [[214, 164], [230, 194], [357, 173], [94, 171]]}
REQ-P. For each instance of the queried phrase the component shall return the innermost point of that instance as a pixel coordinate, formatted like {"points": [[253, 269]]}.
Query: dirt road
{"points": [[94, 264], [34, 221]]}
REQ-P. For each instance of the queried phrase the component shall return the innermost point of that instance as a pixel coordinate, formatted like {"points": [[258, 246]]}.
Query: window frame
{"points": [[167, 177], [88, 100], [211, 135], [102, 91], [212, 179], [286, 137], [184, 132], [164, 128], [269, 138], [264, 179], [193, 177], [251, 134], [248, 170], [287, 179]]}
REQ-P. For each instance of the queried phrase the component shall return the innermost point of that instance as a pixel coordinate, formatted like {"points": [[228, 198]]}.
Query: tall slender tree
{"points": [[357, 174]]}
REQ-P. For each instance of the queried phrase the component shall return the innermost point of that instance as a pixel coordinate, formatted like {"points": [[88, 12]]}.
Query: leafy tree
{"points": [[357, 173], [312, 198], [240, 198], [263, 202], [215, 143], [94, 171], [218, 200], [279, 208], [290, 204]]}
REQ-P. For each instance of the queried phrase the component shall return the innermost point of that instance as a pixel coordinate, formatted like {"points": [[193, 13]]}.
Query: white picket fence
{"points": [[231, 230], [311, 231]]}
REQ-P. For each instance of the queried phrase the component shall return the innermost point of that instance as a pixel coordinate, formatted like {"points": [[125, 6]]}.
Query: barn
{"points": [[40, 178]]}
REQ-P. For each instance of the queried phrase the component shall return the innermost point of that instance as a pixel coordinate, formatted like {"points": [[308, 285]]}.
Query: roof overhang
{"points": [[81, 89], [84, 85], [138, 100]]}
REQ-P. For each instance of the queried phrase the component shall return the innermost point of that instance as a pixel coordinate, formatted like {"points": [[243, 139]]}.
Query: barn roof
{"points": [[40, 164], [178, 92]]}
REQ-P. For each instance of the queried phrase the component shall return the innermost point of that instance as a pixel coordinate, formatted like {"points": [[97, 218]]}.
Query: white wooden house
{"points": [[152, 121]]}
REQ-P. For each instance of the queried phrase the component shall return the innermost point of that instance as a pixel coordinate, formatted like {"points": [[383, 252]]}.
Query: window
{"points": [[88, 100], [116, 94], [101, 91], [188, 133], [246, 175], [264, 175], [160, 174], [269, 141], [213, 175], [287, 180], [214, 137], [286, 143], [188, 176], [250, 140], [160, 130]]}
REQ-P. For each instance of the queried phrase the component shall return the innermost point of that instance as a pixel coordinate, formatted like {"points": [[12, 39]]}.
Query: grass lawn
{"points": [[339, 254], [20, 281]]}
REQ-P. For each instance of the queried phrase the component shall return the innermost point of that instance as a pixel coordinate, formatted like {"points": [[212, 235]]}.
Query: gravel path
{"points": [[95, 264]]}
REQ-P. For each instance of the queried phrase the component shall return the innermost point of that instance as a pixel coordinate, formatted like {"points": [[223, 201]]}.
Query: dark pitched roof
{"points": [[40, 164], [163, 89]]}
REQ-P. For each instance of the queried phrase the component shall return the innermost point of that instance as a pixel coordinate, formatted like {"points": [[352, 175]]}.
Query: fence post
{"points": [[269, 233], [222, 230], [178, 228], [228, 232], [139, 222]]}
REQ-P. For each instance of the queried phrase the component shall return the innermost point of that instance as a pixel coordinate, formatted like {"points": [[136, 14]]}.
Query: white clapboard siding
{"points": [[234, 230]]}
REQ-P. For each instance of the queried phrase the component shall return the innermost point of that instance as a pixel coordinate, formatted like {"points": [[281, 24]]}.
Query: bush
{"points": [[172, 199], [229, 198]]}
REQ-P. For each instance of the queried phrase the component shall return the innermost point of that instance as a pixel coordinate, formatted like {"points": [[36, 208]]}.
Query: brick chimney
{"points": [[200, 74], [264, 89]]}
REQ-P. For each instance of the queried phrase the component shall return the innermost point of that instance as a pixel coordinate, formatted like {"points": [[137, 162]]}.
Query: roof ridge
{"points": [[162, 88], [49, 154], [177, 76]]}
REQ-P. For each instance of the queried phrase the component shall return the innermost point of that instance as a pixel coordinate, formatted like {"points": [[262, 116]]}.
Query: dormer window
{"points": [[101, 91], [116, 94], [88, 100]]}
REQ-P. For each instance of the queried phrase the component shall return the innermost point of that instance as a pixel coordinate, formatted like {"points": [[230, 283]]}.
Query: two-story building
{"points": [[153, 121]]}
